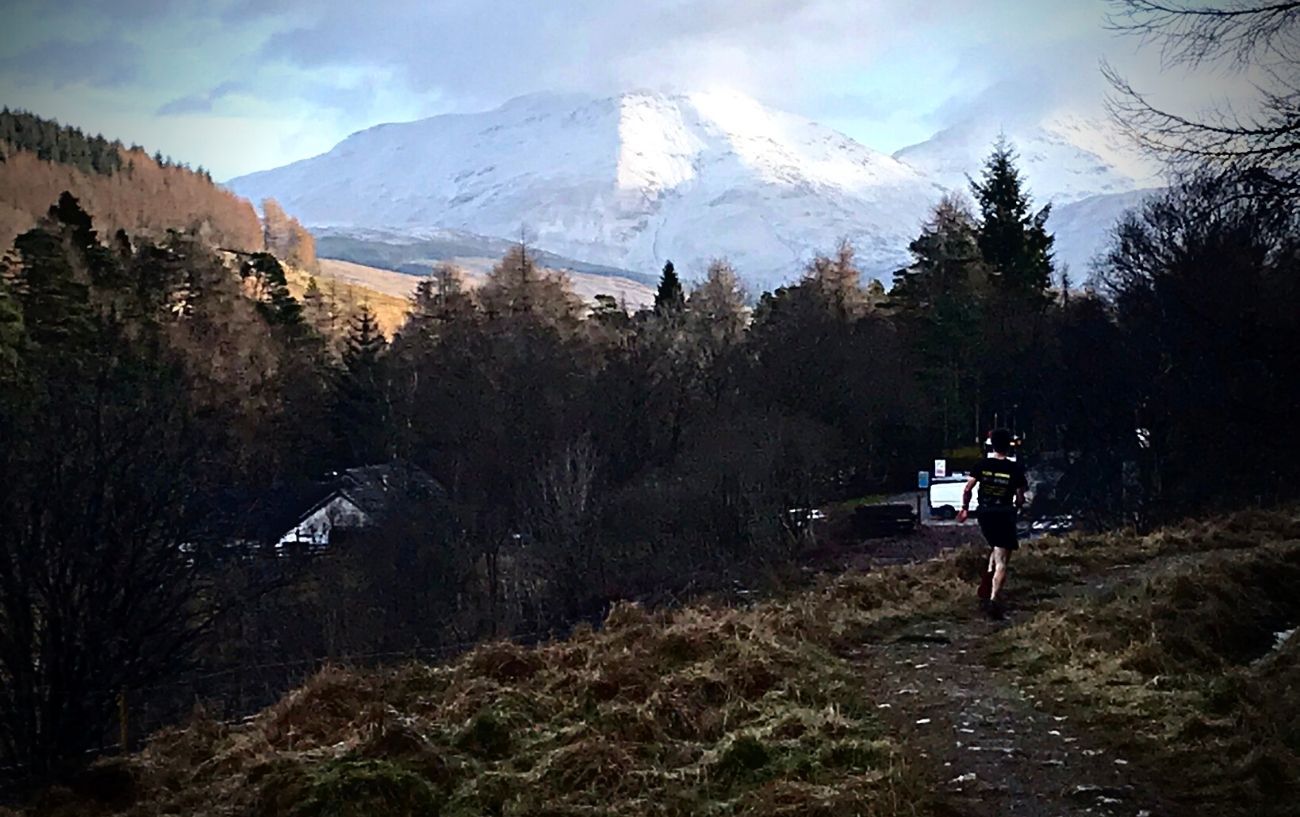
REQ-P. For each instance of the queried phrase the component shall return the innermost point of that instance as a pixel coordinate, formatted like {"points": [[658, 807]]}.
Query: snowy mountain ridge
{"points": [[636, 179]]}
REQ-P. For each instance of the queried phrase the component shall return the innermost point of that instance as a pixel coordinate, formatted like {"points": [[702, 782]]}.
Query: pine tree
{"points": [[360, 419], [947, 268], [670, 299], [11, 331], [51, 287], [314, 308], [278, 306], [1013, 241], [438, 300], [939, 301]]}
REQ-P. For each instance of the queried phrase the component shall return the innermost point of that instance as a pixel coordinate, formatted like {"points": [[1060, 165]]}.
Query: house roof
{"points": [[372, 489]]}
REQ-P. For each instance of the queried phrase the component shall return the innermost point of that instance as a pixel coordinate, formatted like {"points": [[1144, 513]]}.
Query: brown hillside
{"points": [[350, 292], [586, 286], [144, 198]]}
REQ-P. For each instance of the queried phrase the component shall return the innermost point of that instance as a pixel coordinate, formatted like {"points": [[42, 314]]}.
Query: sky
{"points": [[243, 85]]}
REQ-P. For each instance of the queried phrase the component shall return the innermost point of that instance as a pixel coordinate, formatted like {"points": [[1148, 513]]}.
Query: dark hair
{"points": [[1000, 439]]}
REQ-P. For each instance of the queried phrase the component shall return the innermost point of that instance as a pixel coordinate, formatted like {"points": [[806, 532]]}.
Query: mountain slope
{"points": [[627, 181], [1062, 157], [1082, 227], [630, 181]]}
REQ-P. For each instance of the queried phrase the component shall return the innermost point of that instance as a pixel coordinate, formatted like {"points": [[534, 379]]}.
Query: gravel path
{"points": [[990, 745]]}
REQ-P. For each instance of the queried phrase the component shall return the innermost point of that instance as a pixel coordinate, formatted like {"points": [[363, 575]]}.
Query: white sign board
{"points": [[941, 468]]}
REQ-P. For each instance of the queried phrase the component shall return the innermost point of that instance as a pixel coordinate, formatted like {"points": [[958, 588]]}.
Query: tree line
{"points": [[64, 144]]}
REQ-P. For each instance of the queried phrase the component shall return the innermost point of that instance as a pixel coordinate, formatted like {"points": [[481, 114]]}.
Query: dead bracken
{"points": [[706, 710]]}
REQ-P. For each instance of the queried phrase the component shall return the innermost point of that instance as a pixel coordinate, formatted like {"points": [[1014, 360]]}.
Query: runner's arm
{"points": [[965, 498]]}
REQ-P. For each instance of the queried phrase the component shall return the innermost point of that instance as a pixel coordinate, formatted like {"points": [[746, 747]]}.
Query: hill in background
{"points": [[122, 188]]}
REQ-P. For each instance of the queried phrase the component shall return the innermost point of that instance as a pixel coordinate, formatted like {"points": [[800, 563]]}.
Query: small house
{"points": [[356, 499]]}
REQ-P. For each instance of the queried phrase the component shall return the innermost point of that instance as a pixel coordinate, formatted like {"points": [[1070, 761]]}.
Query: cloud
{"points": [[457, 47], [201, 102], [884, 70], [104, 62]]}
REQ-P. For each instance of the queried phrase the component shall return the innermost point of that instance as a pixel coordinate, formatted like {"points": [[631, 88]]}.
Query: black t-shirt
{"points": [[999, 481]]}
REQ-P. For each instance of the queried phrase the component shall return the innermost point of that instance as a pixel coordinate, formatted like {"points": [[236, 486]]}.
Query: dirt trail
{"points": [[991, 746]]}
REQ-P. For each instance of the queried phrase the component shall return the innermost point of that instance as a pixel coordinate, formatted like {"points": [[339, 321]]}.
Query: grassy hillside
{"points": [[708, 710], [586, 286], [1186, 657], [351, 288], [1159, 649]]}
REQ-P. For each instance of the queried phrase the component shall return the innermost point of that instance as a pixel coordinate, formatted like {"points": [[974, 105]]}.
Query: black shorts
{"points": [[999, 528]]}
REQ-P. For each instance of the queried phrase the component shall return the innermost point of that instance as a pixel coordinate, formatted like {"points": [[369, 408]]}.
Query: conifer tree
{"points": [[938, 301], [278, 306], [49, 285], [438, 300], [360, 405], [1013, 241], [11, 331], [315, 310], [670, 299], [947, 268]]}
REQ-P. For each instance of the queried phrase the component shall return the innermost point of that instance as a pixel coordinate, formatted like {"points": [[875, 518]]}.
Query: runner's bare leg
{"points": [[999, 561]]}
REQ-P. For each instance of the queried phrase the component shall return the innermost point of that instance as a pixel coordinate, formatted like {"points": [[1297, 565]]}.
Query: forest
{"points": [[125, 187]]}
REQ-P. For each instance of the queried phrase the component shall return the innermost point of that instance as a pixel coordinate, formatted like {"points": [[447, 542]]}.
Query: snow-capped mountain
{"points": [[1082, 227], [628, 181], [633, 180], [1062, 157]]}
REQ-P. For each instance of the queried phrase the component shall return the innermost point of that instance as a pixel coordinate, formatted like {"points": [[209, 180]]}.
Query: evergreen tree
{"points": [[609, 314], [51, 284], [278, 306], [361, 415], [438, 300], [939, 303], [11, 331], [314, 309], [1013, 241], [103, 465], [670, 299]]}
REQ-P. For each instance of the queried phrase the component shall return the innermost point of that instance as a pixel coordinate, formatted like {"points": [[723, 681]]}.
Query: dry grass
{"points": [[714, 710], [1176, 665], [390, 309], [708, 710]]}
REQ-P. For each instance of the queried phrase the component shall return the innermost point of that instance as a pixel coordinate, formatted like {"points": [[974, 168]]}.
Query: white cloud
{"points": [[887, 71]]}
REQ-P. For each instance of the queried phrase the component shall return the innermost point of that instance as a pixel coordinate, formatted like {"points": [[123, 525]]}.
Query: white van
{"points": [[945, 496]]}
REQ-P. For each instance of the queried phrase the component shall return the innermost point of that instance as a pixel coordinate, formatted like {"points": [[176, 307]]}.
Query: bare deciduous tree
{"points": [[1244, 35]]}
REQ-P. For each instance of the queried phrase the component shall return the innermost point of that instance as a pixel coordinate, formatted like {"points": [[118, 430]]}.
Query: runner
{"points": [[1002, 494]]}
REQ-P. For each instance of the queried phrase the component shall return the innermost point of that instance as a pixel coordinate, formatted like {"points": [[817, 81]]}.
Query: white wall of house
{"points": [[315, 530]]}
